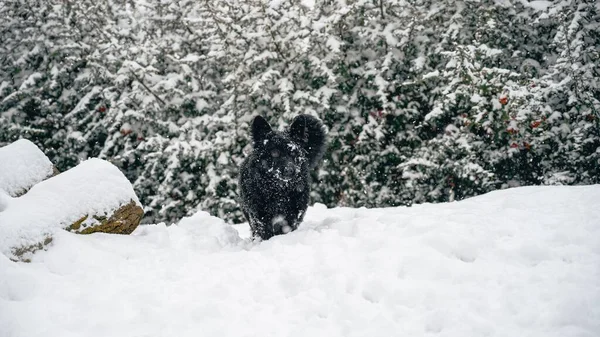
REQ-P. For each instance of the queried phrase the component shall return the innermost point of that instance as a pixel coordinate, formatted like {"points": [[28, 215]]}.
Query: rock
{"points": [[24, 253], [123, 221], [55, 171], [22, 165], [94, 196]]}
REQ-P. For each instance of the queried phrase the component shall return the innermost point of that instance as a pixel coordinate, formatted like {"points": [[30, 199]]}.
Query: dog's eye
{"points": [[275, 153]]}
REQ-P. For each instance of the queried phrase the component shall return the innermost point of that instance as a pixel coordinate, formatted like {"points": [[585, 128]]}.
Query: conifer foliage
{"points": [[425, 101]]}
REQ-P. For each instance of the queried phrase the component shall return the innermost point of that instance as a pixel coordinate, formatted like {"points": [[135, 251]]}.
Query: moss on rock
{"points": [[24, 254], [123, 221]]}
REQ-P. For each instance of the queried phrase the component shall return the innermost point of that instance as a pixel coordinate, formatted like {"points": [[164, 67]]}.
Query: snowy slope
{"points": [[519, 262]]}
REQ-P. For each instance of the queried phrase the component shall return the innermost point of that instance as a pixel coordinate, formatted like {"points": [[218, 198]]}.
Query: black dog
{"points": [[275, 180]]}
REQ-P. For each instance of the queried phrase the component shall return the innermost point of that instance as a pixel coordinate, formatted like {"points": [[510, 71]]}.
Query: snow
{"points": [[22, 165], [94, 187], [435, 112], [126, 128], [419, 62], [333, 44], [308, 3], [517, 262], [434, 73], [538, 5], [31, 80]]}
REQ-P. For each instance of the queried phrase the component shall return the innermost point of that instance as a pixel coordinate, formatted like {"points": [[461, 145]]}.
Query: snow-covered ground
{"points": [[518, 262]]}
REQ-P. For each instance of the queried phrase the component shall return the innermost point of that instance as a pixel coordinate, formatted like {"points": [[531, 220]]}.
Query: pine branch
{"points": [[137, 78]]}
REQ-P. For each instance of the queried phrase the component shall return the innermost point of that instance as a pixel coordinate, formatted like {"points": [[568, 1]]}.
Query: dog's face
{"points": [[279, 156]]}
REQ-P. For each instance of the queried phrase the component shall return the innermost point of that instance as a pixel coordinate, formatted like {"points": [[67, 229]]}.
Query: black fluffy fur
{"points": [[275, 178]]}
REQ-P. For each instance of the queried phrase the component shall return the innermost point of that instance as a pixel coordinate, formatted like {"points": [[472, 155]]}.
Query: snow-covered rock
{"points": [[93, 196], [518, 262], [22, 165]]}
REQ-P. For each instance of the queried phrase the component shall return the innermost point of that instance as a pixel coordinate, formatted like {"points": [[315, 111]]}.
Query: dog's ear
{"points": [[310, 133], [299, 130], [260, 129]]}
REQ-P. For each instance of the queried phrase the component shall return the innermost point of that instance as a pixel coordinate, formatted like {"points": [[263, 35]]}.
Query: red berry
{"points": [[377, 114], [503, 100]]}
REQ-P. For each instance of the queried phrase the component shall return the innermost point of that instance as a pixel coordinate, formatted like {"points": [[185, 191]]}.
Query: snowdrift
{"points": [[518, 262]]}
